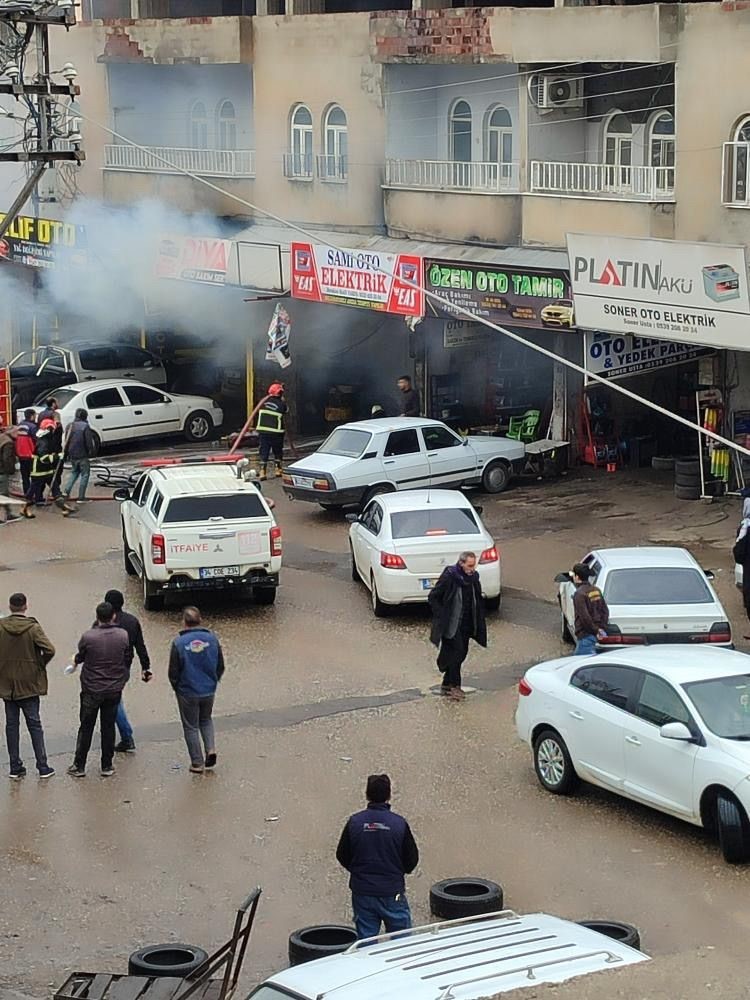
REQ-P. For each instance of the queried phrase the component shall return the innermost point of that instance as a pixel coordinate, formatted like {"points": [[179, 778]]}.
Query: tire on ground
{"points": [[734, 830], [496, 476], [264, 595], [687, 492], [624, 933], [662, 463], [464, 897], [161, 960], [376, 491], [687, 466], [683, 479], [552, 763], [493, 603], [310, 943]]}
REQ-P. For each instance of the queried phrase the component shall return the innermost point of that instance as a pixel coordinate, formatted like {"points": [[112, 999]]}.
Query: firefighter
{"points": [[45, 463], [270, 428]]}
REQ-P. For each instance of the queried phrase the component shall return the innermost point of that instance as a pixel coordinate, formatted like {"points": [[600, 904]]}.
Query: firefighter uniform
{"points": [[270, 428]]}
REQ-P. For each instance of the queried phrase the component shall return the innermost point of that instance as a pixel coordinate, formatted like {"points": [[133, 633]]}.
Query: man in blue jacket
{"points": [[377, 848], [196, 663]]}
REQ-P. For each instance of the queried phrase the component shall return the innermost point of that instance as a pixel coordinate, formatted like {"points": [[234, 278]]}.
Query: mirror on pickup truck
{"points": [[121, 494]]}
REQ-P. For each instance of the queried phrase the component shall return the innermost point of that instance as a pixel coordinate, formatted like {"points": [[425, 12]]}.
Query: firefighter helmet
{"points": [[276, 389]]}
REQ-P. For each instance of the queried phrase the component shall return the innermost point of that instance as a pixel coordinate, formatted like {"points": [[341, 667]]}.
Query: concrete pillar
{"points": [[523, 132]]}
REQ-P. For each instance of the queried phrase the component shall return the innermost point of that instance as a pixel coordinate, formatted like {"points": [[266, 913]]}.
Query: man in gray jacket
{"points": [[103, 654], [80, 448]]}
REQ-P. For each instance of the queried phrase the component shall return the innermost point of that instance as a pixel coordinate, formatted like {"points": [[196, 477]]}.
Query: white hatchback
{"points": [[655, 595], [402, 542], [668, 727]]}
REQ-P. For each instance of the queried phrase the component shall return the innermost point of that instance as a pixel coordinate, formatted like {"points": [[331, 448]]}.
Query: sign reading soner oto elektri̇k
{"points": [[696, 293]]}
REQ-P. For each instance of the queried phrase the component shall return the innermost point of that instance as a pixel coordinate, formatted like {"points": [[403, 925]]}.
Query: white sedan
{"points": [[121, 410], [668, 727], [402, 542], [654, 594]]}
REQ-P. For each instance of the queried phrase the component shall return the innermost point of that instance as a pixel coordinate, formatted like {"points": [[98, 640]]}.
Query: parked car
{"points": [[36, 372], [668, 727], [655, 595], [363, 459], [123, 410], [401, 543], [199, 527], [465, 959], [561, 314]]}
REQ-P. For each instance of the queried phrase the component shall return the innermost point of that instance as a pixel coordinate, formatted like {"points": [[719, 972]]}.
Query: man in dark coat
{"points": [[25, 652], [741, 553], [457, 616]]}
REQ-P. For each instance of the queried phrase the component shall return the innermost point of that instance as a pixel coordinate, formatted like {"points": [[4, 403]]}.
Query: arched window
{"points": [[739, 176], [226, 126], [301, 141], [198, 126], [499, 141], [335, 143], [661, 150], [618, 153], [460, 132]]}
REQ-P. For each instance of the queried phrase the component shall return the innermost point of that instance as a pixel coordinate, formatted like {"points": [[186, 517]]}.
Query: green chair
{"points": [[525, 428]]}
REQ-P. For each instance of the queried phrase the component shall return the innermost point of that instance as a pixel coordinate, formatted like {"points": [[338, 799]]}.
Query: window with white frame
{"points": [[662, 150], [460, 132], [737, 165], [198, 126], [618, 152], [226, 126], [334, 162], [499, 141], [300, 158]]}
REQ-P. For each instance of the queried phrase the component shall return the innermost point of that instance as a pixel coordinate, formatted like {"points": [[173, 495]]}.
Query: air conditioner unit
{"points": [[548, 91]]}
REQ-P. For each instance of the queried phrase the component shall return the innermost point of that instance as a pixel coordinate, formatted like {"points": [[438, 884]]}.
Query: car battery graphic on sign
{"points": [[721, 282]]}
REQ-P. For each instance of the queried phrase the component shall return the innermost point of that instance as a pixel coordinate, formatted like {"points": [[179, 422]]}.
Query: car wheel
{"points": [[198, 426], [310, 943], [129, 568], [162, 960], [624, 933], [97, 443], [552, 763], [734, 835], [379, 609], [355, 572], [565, 634], [376, 491], [264, 595], [496, 477], [453, 898], [152, 600], [493, 603]]}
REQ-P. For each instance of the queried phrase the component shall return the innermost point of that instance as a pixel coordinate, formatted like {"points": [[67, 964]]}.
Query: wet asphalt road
{"points": [[317, 694]]}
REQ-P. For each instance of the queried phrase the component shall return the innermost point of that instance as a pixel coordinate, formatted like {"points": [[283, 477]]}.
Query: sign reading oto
{"points": [[621, 355], [43, 242]]}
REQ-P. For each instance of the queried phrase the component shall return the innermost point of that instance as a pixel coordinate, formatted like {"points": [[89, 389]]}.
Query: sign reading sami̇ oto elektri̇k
{"points": [[696, 293]]}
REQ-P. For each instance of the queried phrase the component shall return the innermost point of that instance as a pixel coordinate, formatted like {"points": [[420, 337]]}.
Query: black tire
{"points": [[687, 492], [379, 609], [97, 442], [453, 898], [624, 933], [129, 567], [683, 479], [734, 830], [198, 426], [496, 477], [565, 634], [662, 463], [355, 572], [264, 595], [376, 491], [331, 506], [309, 943], [152, 600], [552, 763], [493, 603], [687, 467], [162, 960]]}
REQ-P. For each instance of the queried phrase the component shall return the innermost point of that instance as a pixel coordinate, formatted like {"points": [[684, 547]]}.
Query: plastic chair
{"points": [[524, 428]]}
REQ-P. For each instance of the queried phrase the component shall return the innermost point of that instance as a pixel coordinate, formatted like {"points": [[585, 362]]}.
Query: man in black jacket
{"points": [[409, 397], [457, 616], [137, 646], [377, 848]]}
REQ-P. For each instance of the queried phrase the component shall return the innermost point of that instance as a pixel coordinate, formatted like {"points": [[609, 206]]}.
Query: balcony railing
{"points": [[452, 175], [171, 160], [298, 166], [735, 174], [592, 180], [333, 169]]}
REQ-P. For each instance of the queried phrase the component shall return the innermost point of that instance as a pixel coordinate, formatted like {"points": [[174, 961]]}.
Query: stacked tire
{"points": [[453, 898], [687, 478]]}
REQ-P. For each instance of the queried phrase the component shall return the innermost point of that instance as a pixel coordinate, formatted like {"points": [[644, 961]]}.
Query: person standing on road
{"points": [[378, 849], [29, 422], [49, 411], [8, 467], [741, 553], [409, 397], [457, 616], [137, 646], [25, 652], [270, 428], [44, 467], [25, 450], [80, 448], [591, 612], [196, 665], [103, 656]]}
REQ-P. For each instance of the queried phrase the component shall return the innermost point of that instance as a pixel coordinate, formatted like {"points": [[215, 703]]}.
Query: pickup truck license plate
{"points": [[213, 571], [428, 584], [303, 481]]}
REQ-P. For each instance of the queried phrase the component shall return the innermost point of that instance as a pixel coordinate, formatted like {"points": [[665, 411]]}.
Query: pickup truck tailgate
{"points": [[221, 544]]}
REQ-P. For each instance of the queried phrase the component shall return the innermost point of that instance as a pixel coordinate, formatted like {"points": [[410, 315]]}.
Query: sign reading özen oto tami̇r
{"points": [[516, 296], [691, 292], [363, 278], [619, 355]]}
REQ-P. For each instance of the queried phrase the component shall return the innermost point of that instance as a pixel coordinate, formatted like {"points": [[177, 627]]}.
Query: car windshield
{"points": [[433, 522], [63, 397], [724, 704], [345, 441], [662, 585], [231, 507]]}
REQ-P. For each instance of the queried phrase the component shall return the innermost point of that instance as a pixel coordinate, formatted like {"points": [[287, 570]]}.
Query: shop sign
{"points": [[695, 293], [619, 356], [193, 258], [386, 282], [515, 296], [462, 333], [43, 242]]}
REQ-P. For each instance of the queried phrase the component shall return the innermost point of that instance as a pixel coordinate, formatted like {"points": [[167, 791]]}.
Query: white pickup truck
{"points": [[198, 527]]}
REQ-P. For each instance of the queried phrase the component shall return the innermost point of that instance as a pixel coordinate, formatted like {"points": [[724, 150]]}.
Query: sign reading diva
{"points": [[695, 293]]}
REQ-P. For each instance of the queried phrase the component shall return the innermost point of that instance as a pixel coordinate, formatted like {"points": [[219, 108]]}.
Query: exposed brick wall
{"points": [[119, 47], [459, 35]]}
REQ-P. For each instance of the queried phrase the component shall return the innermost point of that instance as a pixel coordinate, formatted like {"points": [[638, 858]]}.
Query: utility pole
{"points": [[54, 135]]}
